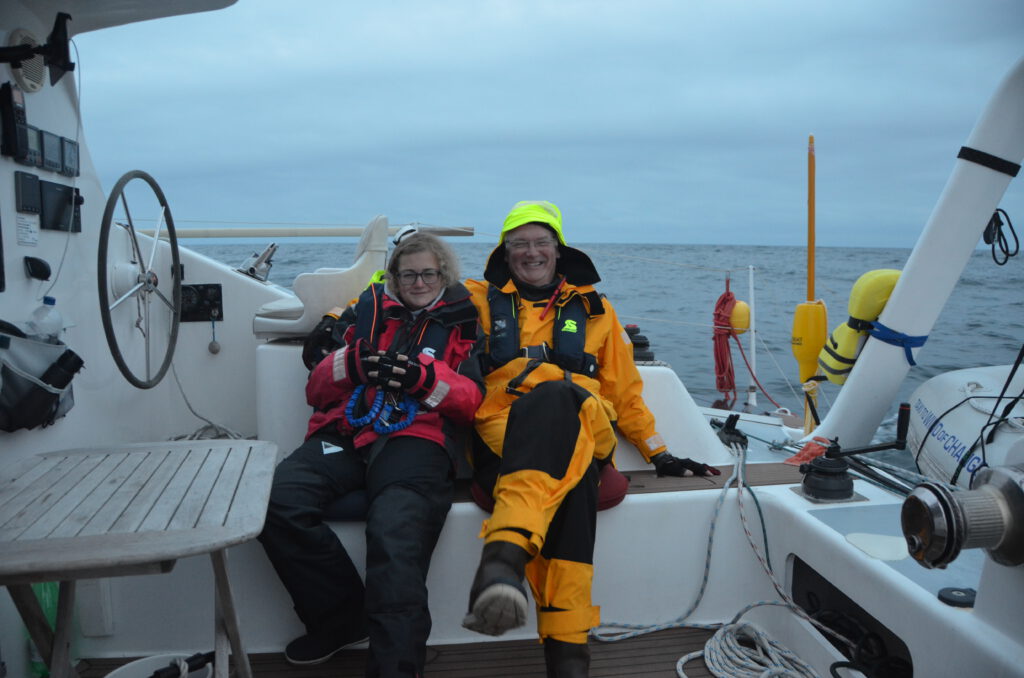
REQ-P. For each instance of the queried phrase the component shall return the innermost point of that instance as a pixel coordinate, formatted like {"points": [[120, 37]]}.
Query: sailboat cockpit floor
{"points": [[650, 656]]}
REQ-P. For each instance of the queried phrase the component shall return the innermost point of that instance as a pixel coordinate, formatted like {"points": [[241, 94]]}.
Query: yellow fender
{"points": [[867, 299], [739, 319], [810, 326]]}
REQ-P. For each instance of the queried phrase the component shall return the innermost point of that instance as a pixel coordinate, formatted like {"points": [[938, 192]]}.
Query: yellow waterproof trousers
{"points": [[542, 459]]}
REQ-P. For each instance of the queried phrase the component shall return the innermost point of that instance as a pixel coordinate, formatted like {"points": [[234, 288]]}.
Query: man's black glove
{"points": [[667, 465], [320, 342], [357, 361], [401, 371]]}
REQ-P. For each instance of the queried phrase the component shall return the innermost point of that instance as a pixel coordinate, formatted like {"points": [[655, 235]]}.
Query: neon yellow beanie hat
{"points": [[533, 212]]}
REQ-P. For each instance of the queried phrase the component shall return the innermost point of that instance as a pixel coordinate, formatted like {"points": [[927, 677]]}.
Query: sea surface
{"points": [[670, 291]]}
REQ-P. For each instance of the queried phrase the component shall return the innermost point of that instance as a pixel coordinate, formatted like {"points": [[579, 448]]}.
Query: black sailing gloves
{"points": [[388, 370], [357, 362], [401, 371], [667, 465]]}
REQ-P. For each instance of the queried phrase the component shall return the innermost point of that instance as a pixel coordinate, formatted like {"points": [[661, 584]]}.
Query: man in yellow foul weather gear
{"points": [[559, 377]]}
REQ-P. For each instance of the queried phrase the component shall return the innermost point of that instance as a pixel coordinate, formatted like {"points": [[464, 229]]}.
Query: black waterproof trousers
{"points": [[409, 486]]}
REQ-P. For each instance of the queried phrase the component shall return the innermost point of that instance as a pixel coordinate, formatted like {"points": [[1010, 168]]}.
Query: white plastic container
{"points": [[46, 324], [144, 668]]}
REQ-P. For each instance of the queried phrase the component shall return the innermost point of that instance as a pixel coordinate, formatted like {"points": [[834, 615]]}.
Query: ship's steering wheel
{"points": [[139, 294]]}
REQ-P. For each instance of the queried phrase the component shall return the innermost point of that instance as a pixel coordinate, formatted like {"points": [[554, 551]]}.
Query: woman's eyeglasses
{"points": [[408, 278]]}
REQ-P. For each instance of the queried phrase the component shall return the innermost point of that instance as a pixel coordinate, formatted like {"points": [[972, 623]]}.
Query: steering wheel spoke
{"points": [[130, 294], [129, 227], [157, 312], [167, 302]]}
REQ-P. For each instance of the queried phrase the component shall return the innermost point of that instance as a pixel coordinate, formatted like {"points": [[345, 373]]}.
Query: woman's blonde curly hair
{"points": [[447, 261]]}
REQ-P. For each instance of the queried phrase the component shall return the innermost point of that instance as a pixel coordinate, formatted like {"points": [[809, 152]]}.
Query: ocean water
{"points": [[670, 291]]}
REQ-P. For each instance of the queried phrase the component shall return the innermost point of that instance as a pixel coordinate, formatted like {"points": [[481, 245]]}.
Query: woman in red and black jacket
{"points": [[386, 404]]}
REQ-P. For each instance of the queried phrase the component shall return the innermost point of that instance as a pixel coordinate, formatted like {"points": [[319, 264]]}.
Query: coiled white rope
{"points": [[721, 650], [727, 656]]}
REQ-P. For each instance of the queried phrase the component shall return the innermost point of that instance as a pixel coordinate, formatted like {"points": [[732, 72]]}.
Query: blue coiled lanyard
{"points": [[380, 412]]}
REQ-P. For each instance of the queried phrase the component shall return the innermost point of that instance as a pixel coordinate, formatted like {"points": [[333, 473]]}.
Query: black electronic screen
{"points": [[34, 145], [69, 154], [59, 211], [27, 196], [52, 158]]}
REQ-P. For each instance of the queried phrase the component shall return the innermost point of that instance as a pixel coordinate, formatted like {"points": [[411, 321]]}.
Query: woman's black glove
{"points": [[320, 342], [358, 361], [401, 371], [667, 465]]}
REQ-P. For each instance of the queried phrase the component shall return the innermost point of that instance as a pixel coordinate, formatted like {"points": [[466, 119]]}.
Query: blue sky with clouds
{"points": [[646, 121]]}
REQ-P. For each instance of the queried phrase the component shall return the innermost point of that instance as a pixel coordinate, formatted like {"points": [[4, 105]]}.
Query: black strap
{"points": [[988, 160], [1013, 401], [811, 407], [369, 310], [859, 325], [569, 334], [517, 381], [503, 344]]}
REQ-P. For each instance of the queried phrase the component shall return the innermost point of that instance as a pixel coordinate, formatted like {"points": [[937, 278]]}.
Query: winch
{"points": [[938, 523]]}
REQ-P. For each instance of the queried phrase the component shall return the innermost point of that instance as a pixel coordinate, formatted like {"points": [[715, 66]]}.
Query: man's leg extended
{"points": [[549, 444], [561, 578]]}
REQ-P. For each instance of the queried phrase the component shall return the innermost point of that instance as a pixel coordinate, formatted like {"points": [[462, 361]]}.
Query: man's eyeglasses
{"points": [[523, 245], [408, 278]]}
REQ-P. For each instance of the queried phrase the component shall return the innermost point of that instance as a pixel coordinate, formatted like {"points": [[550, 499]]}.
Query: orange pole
{"points": [[810, 219]]}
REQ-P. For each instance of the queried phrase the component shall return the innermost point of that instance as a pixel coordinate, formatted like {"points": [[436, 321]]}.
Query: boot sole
{"points": [[320, 660], [498, 608]]}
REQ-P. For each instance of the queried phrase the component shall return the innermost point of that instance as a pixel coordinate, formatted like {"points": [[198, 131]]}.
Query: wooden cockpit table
{"points": [[129, 510]]}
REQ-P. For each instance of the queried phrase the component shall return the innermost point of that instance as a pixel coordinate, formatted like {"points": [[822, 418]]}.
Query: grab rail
{"points": [[305, 232]]}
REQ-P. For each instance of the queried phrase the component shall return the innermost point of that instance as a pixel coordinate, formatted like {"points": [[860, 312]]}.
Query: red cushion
{"points": [[611, 490]]}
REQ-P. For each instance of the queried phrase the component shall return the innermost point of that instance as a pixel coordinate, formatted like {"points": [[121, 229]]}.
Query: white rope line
{"points": [[722, 653], [211, 431], [636, 630], [727, 656]]}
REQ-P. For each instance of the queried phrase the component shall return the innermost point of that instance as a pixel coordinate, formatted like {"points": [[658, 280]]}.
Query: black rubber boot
{"points": [[497, 600], [566, 660]]}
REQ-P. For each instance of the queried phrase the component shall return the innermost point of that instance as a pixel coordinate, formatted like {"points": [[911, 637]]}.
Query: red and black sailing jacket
{"points": [[442, 335]]}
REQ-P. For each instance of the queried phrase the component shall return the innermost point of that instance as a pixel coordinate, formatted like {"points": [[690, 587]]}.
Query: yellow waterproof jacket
{"points": [[618, 384]]}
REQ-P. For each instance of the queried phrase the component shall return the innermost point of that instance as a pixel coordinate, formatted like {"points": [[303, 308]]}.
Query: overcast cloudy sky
{"points": [[682, 121]]}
